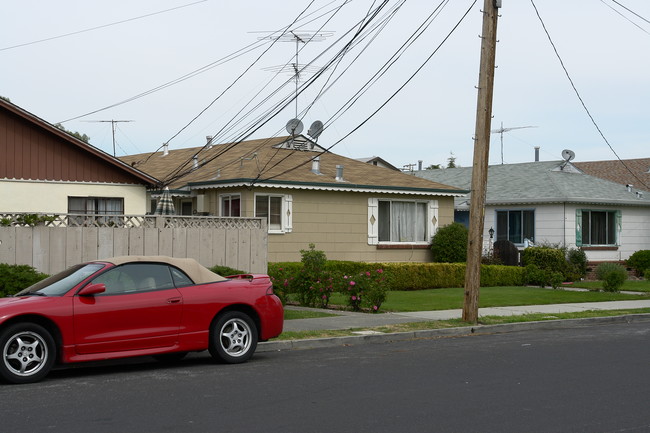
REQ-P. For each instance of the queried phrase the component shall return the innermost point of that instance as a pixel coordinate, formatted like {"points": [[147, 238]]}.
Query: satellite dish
{"points": [[315, 129], [568, 155], [294, 127]]}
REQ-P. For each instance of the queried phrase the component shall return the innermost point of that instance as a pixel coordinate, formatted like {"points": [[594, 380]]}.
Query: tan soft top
{"points": [[197, 272]]}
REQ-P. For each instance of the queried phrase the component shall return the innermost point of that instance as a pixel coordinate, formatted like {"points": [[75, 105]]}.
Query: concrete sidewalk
{"points": [[348, 319]]}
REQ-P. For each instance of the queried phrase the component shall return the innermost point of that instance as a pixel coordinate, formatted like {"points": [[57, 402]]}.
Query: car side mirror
{"points": [[92, 289]]}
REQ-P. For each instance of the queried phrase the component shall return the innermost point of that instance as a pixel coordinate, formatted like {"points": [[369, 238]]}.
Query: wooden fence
{"points": [[51, 243]]}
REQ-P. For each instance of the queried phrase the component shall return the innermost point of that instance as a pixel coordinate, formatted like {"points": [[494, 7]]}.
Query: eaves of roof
{"points": [[343, 186]]}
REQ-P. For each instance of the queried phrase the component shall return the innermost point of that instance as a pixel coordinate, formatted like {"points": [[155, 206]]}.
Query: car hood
{"points": [[25, 304]]}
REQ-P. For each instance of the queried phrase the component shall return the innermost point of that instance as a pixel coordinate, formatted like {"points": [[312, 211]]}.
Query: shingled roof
{"points": [[540, 182], [634, 172], [278, 162]]}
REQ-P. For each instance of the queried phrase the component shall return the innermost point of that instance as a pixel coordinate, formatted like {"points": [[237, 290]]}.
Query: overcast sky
{"points": [[604, 47]]}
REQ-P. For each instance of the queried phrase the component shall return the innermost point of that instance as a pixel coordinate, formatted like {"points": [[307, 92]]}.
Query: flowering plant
{"points": [[364, 290]]}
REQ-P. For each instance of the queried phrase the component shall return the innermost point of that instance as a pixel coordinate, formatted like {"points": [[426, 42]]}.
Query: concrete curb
{"points": [[315, 343]]}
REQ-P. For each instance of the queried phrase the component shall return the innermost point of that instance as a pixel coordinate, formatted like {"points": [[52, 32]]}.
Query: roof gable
{"points": [[32, 148]]}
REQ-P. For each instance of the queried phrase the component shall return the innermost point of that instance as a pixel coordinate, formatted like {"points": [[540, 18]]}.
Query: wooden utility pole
{"points": [[480, 163]]}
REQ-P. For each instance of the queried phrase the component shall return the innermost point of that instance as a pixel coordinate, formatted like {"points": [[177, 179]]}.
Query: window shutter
{"points": [[578, 227], [619, 226], [373, 223], [288, 213], [432, 218]]}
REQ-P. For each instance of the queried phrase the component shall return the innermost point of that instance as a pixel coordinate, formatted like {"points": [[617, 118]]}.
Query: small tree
{"points": [[612, 275], [313, 282], [449, 244]]}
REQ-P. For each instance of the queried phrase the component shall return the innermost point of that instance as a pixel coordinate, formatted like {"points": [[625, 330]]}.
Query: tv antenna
{"points": [[298, 37], [112, 122], [502, 130]]}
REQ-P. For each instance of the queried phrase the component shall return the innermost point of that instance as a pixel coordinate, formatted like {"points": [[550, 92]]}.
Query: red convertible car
{"points": [[133, 306]]}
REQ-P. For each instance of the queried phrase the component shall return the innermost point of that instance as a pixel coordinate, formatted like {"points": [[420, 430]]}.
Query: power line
{"points": [[268, 115], [100, 27], [232, 56], [584, 106], [391, 97]]}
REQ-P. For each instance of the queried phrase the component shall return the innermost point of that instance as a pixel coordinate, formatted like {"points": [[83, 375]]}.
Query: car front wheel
{"points": [[28, 353], [233, 338]]}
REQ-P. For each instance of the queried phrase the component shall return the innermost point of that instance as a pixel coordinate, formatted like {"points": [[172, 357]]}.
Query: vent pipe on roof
{"points": [[165, 149], [195, 160], [315, 165], [629, 187], [339, 173], [208, 139], [639, 195], [536, 153], [419, 164]]}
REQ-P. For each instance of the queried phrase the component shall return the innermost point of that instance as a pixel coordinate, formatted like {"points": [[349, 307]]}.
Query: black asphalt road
{"points": [[570, 380]]}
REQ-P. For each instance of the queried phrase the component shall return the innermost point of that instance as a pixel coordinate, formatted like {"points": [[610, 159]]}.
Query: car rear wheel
{"points": [[233, 338], [28, 353]]}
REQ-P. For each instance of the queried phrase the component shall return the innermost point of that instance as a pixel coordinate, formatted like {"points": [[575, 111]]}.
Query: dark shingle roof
{"points": [[634, 172]]}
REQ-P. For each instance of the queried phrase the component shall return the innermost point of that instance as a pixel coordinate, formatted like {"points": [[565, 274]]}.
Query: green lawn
{"points": [[449, 299]]}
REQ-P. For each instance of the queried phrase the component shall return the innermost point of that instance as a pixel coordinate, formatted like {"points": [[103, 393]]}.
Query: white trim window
{"points": [[230, 205], [278, 211], [401, 221]]}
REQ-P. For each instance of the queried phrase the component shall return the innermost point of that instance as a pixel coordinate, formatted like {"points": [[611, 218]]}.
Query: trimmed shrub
{"points": [[14, 278], [225, 271], [640, 261], [546, 258], [402, 276], [449, 244], [612, 275]]}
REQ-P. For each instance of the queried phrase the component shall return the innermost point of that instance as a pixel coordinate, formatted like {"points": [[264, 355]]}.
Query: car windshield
{"points": [[59, 284]]}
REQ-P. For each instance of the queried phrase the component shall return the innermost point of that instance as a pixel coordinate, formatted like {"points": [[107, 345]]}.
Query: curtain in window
{"points": [[408, 221]]}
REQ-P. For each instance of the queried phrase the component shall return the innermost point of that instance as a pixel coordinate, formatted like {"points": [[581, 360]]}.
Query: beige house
{"points": [[347, 208]]}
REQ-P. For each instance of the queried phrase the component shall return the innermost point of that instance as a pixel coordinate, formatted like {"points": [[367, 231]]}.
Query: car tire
{"points": [[233, 338], [28, 353]]}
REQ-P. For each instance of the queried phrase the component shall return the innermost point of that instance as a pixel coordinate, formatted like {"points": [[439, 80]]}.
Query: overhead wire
{"points": [[582, 102], [257, 124], [232, 56], [402, 86], [359, 37], [101, 27], [625, 17]]}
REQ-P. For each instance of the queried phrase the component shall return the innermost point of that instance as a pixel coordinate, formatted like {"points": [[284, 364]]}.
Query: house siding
{"points": [[336, 222], [555, 224], [52, 197]]}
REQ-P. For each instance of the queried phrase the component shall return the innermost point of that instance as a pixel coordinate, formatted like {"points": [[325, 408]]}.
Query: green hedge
{"points": [[405, 276], [14, 278]]}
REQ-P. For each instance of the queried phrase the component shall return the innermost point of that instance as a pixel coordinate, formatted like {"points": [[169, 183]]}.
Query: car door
{"points": [[140, 309]]}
